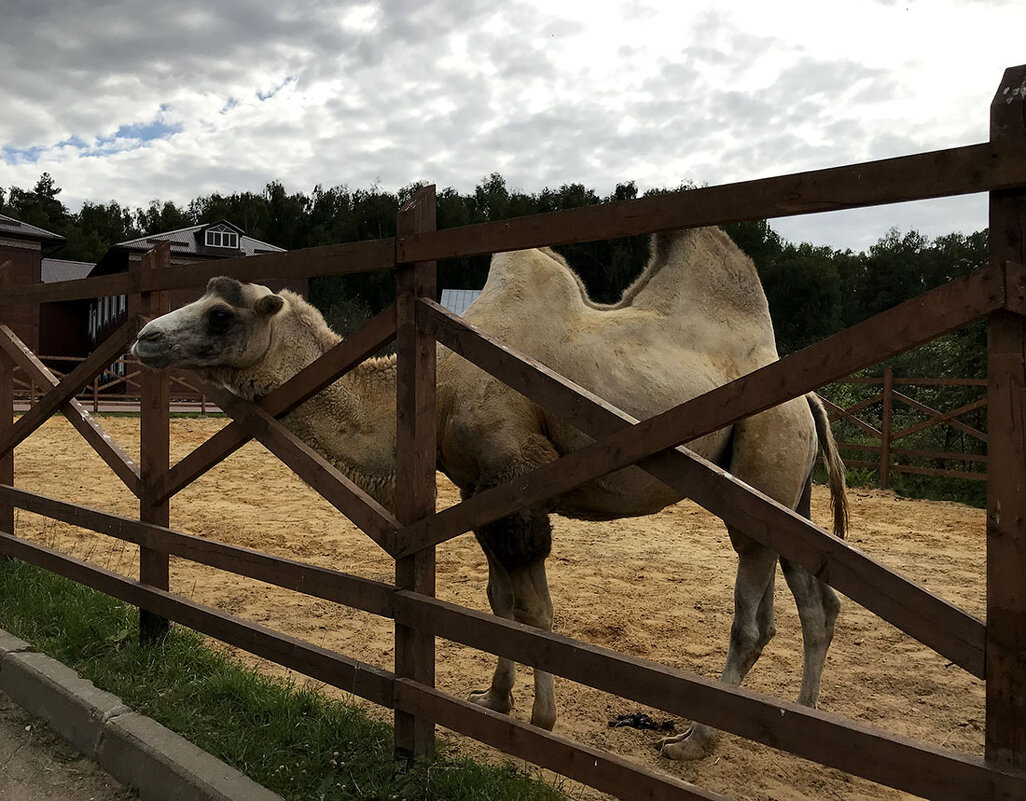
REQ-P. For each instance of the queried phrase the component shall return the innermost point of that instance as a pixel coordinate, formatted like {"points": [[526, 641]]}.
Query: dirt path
{"points": [[36, 765], [658, 587]]}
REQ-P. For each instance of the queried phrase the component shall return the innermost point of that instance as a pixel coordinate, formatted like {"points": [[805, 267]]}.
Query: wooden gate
{"points": [[995, 650]]}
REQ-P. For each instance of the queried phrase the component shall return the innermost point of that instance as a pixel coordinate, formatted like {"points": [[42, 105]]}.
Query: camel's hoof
{"points": [[543, 718], [685, 747], [492, 700]]}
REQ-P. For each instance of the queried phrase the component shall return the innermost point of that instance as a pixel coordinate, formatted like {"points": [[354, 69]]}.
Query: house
{"points": [[74, 328], [206, 242], [21, 258]]}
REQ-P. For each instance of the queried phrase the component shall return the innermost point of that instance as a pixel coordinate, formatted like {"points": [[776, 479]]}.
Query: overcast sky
{"points": [[132, 101]]}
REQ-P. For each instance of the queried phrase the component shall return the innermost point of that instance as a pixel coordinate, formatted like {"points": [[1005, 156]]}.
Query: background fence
{"points": [[919, 426], [991, 650]]}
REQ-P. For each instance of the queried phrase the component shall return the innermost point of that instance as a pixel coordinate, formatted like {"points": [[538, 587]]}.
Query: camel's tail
{"points": [[834, 465]]}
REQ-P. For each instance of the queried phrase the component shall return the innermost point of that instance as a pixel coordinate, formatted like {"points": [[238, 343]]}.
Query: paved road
{"points": [[36, 765]]}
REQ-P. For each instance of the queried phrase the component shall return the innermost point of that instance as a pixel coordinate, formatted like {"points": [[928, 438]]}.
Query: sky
{"points": [[135, 100]]}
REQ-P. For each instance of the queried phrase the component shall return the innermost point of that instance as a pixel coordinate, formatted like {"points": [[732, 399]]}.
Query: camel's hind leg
{"points": [[772, 452], [751, 630], [818, 606], [532, 605]]}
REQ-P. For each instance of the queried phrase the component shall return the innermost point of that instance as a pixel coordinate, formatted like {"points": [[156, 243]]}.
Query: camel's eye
{"points": [[220, 318]]}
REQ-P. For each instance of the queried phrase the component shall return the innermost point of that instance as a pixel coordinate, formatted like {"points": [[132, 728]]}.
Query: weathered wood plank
{"points": [[415, 464], [887, 436], [357, 347], [319, 582], [6, 423], [1006, 426], [975, 168], [319, 663], [596, 768], [930, 619], [897, 761], [154, 445]]}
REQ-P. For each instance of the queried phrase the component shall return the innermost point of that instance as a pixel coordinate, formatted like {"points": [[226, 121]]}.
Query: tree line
{"points": [[813, 291]]}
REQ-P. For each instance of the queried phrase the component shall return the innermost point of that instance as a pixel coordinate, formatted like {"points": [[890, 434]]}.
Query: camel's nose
{"points": [[150, 334]]}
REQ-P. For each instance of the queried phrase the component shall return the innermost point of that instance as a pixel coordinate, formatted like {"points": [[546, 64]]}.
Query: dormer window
{"points": [[221, 236]]}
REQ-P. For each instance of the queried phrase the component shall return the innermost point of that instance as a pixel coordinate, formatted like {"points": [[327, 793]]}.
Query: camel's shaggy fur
{"points": [[696, 318]]}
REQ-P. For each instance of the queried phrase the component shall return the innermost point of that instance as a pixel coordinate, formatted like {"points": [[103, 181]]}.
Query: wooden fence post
{"points": [[7, 368], [416, 449], [6, 423], [885, 428], [154, 450], [1006, 465]]}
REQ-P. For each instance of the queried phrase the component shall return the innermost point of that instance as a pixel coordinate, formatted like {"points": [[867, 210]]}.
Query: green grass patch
{"points": [[293, 740]]}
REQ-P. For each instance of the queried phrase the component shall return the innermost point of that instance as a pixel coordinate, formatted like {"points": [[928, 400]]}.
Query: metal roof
{"points": [[12, 227], [185, 240], [457, 300], [51, 270]]}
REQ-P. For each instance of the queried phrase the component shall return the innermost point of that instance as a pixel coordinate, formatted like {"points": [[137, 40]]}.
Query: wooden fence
{"points": [[117, 383], [879, 428], [992, 650]]}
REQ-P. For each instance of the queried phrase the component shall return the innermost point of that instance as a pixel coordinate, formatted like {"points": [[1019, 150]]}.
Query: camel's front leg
{"points": [[532, 605], [499, 696], [516, 547]]}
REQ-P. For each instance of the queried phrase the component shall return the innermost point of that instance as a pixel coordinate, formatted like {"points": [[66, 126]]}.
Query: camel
{"points": [[696, 318]]}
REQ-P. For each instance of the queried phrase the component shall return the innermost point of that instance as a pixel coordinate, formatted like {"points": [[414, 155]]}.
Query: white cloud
{"points": [[240, 93]]}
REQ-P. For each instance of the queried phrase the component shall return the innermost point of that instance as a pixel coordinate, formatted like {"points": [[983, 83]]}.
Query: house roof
{"points": [[16, 228], [51, 270], [188, 241], [457, 300]]}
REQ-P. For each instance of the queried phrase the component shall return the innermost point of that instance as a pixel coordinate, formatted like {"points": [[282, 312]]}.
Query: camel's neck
{"points": [[352, 422]]}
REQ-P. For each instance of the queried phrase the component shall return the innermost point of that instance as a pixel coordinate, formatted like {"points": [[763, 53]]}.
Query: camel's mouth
{"points": [[151, 353]]}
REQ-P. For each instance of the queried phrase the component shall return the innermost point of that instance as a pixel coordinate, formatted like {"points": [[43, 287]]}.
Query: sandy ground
{"points": [[658, 587]]}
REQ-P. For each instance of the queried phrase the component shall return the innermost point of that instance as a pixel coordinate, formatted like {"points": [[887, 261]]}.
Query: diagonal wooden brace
{"points": [[120, 462], [937, 417], [366, 513], [930, 619], [69, 386]]}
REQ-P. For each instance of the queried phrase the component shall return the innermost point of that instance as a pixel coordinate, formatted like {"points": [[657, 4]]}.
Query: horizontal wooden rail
{"points": [[350, 675], [937, 471], [957, 171], [345, 259], [600, 769], [921, 614], [319, 582], [900, 762], [355, 348]]}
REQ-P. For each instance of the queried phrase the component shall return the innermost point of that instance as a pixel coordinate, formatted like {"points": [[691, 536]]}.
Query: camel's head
{"points": [[230, 326]]}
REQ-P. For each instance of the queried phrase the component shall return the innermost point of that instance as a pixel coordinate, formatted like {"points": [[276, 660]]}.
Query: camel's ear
{"points": [[269, 305]]}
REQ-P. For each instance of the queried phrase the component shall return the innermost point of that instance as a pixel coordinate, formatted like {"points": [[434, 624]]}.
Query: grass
{"points": [[294, 741]]}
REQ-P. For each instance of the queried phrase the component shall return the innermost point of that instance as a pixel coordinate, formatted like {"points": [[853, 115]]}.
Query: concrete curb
{"points": [[134, 749]]}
